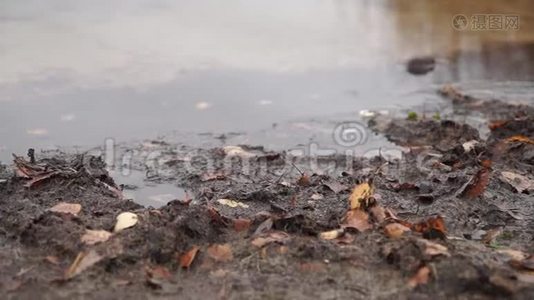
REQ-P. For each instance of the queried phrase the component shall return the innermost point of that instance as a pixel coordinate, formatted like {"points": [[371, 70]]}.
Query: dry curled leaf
{"points": [[357, 219], [273, 236], [241, 224], [92, 237], [232, 203], [478, 183], [395, 230], [125, 220], [158, 272], [220, 252], [330, 235], [66, 208], [52, 259], [431, 228], [360, 195], [519, 182], [188, 257], [421, 277], [83, 261], [520, 139], [304, 180]]}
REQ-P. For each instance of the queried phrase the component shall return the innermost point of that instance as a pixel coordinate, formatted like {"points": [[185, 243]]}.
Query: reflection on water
{"points": [[76, 72]]}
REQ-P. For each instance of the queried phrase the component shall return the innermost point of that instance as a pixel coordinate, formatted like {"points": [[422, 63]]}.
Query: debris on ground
{"points": [[451, 218]]}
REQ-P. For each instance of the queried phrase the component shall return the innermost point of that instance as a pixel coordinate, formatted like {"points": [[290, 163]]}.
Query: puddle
{"points": [[147, 193]]}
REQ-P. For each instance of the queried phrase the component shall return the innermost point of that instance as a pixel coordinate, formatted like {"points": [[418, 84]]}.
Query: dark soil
{"points": [[438, 175]]}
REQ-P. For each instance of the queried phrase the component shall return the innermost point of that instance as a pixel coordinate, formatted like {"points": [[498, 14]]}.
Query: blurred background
{"points": [[73, 73]]}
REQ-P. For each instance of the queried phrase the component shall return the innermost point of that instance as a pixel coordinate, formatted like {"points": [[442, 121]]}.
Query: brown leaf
{"points": [[158, 272], [83, 261], [66, 208], [39, 178], [52, 259], [312, 267], [273, 236], [521, 139], [497, 124], [357, 219], [220, 252], [92, 237], [241, 224], [395, 230], [421, 277], [187, 258], [479, 182], [433, 227], [360, 195], [304, 180]]}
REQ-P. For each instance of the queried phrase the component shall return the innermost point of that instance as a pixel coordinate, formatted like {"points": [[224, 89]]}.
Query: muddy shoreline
{"points": [[453, 218]]}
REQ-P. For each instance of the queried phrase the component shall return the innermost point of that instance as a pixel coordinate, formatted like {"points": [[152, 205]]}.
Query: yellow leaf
{"points": [[330, 235], [125, 220], [360, 193], [232, 203]]}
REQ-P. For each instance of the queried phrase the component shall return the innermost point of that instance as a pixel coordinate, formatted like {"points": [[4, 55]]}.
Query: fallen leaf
{"points": [[52, 259], [421, 277], [237, 151], [213, 176], [519, 182], [220, 252], [378, 213], [357, 219], [273, 236], [304, 180], [187, 258], [335, 186], [513, 254], [125, 220], [219, 273], [434, 249], [433, 227], [83, 261], [158, 272], [241, 224], [232, 203], [264, 227], [38, 179], [521, 139], [497, 124], [12, 285], [312, 267], [478, 183], [66, 208], [360, 195], [395, 230], [469, 146], [92, 237], [330, 235], [317, 197]]}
